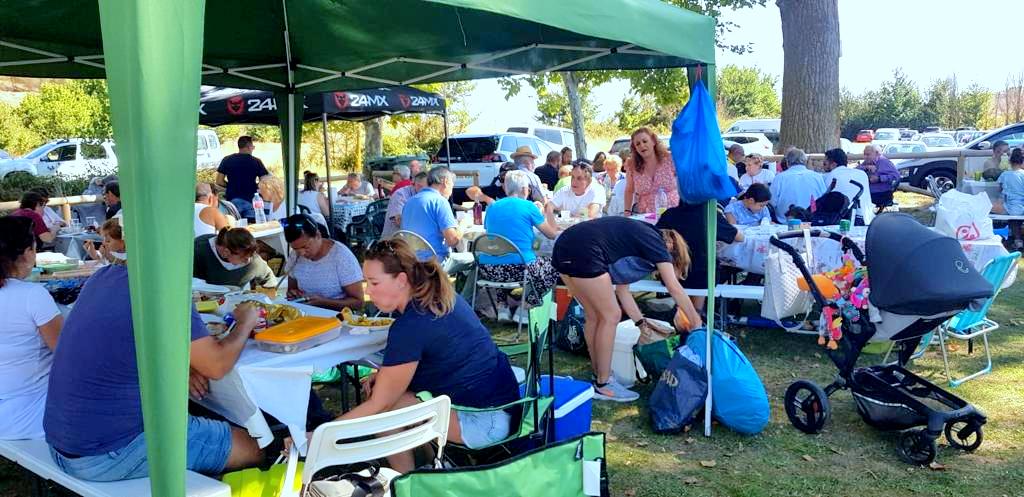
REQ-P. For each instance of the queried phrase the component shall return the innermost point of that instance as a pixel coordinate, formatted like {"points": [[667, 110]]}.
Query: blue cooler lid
{"points": [[570, 393]]}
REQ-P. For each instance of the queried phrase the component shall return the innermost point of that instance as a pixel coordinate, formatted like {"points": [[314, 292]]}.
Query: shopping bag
{"points": [[270, 483], [655, 356], [783, 298], [696, 145], [739, 400], [569, 331], [680, 393], [963, 216]]}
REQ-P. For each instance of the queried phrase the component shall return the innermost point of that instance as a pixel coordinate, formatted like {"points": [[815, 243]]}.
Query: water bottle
{"points": [[257, 205], [661, 201], [478, 213]]}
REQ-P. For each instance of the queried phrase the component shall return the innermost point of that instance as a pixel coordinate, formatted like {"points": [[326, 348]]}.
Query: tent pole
{"points": [[327, 163], [154, 124], [446, 142], [712, 235]]}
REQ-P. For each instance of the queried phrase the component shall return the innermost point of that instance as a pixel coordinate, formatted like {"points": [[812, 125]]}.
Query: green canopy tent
{"points": [[155, 53]]}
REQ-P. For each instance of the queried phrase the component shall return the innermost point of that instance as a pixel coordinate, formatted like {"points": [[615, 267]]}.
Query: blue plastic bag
{"points": [[680, 393], [739, 400], [698, 151]]}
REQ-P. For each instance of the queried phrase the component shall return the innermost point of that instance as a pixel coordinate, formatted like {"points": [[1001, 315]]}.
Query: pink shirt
{"points": [[645, 186]]}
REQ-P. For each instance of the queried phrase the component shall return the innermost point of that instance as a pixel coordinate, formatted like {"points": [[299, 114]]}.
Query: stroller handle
{"points": [[846, 242]]}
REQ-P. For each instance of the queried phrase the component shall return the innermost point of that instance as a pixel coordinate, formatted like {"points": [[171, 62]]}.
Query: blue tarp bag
{"points": [[739, 400], [698, 151]]}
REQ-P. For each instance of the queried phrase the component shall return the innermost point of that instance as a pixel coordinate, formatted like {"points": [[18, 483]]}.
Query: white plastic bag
{"points": [[963, 216]]}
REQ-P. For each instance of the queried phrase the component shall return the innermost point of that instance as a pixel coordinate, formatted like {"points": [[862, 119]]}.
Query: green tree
{"points": [[77, 108], [976, 106], [15, 138], [747, 92]]}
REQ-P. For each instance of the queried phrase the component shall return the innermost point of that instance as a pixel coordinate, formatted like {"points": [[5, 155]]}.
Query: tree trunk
{"points": [[572, 92], [374, 145], [810, 81]]}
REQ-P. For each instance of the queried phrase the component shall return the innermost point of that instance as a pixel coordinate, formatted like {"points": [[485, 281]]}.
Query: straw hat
{"points": [[523, 150]]}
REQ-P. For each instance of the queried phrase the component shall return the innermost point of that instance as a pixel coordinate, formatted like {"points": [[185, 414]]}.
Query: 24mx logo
{"points": [[417, 101]]}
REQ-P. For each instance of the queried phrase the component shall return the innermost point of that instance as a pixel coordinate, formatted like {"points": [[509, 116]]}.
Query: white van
{"points": [[768, 127], [557, 137]]}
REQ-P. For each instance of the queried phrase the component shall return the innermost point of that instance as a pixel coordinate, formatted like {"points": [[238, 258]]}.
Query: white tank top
{"points": [[200, 227], [310, 200]]}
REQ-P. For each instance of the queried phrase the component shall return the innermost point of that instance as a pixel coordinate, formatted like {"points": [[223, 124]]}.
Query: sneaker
{"points": [[614, 392]]}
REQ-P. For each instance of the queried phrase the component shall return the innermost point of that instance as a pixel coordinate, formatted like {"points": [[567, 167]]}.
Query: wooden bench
{"points": [[34, 456]]}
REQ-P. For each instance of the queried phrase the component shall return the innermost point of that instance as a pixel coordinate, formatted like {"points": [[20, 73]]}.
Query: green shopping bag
{"points": [[655, 356], [255, 483]]}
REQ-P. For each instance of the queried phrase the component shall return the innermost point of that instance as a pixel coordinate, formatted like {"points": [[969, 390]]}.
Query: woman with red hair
{"points": [[649, 170]]}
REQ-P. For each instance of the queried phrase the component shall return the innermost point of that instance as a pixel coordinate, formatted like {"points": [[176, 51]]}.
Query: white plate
{"points": [[201, 286]]}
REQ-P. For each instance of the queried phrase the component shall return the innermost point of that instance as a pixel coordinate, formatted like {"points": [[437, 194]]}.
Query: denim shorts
{"points": [[207, 450], [480, 429]]}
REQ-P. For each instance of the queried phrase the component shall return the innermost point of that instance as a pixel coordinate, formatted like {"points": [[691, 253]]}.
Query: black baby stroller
{"points": [[918, 278], [834, 206]]}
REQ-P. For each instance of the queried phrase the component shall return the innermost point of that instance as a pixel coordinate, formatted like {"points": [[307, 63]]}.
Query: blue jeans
{"points": [[244, 208], [207, 450]]}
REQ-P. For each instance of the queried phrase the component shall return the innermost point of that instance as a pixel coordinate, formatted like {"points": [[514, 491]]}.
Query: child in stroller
{"points": [[909, 296]]}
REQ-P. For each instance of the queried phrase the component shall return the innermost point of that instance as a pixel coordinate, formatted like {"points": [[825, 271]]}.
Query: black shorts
{"points": [[577, 262]]}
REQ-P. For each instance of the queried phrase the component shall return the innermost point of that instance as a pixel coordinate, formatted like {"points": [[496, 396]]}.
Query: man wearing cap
{"points": [[523, 157]]}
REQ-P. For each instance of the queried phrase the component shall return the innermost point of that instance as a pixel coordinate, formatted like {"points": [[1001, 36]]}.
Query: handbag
{"points": [[782, 296]]}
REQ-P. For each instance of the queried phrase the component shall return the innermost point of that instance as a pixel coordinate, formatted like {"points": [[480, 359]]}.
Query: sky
{"points": [[928, 40]]}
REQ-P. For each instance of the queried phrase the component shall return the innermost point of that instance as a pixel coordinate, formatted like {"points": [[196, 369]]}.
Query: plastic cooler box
{"points": [[573, 402]]}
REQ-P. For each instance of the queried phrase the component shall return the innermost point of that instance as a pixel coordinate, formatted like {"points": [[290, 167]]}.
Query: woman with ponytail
{"points": [[436, 345]]}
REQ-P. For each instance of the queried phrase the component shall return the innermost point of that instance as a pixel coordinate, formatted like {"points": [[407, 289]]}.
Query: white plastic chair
{"points": [[362, 440]]}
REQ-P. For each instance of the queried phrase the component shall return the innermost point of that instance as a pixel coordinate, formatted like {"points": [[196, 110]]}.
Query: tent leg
{"points": [[327, 164], [712, 234], [153, 71], [446, 142]]}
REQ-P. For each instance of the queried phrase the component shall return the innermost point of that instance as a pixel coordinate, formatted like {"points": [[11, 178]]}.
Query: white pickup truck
{"points": [[80, 157]]}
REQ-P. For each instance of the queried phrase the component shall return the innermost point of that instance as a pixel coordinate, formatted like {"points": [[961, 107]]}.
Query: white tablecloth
{"points": [[273, 237], [280, 383], [749, 254], [347, 209], [971, 187], [72, 245]]}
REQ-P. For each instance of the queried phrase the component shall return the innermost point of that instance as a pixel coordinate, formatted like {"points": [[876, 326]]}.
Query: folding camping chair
{"points": [[499, 246], [417, 243], [367, 228], [968, 324], [573, 468], [374, 437], [534, 419]]}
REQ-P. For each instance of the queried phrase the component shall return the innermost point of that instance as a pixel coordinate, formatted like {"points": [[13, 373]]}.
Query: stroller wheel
{"points": [[807, 406], [964, 435], [916, 447]]}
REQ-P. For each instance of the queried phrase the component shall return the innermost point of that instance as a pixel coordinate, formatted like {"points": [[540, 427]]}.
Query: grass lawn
{"points": [[849, 458]]}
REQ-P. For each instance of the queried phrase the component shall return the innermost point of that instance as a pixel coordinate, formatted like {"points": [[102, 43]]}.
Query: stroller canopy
{"points": [[917, 271]]}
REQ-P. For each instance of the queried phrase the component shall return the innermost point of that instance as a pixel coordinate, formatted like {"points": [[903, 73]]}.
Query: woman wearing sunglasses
{"points": [[321, 270], [229, 258]]}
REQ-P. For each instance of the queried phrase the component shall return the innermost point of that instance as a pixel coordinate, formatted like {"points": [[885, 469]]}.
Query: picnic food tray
{"points": [[298, 335], [363, 325]]}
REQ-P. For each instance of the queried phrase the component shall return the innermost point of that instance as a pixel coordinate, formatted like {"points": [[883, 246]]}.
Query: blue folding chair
{"points": [[969, 324]]}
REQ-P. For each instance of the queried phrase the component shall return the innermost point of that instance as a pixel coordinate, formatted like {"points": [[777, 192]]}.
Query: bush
{"points": [[14, 185]]}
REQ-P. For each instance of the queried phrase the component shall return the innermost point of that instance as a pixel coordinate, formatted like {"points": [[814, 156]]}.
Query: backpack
{"points": [[569, 331]]}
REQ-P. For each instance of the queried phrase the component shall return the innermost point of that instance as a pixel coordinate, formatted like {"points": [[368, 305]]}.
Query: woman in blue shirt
{"points": [[514, 217], [436, 345], [750, 207]]}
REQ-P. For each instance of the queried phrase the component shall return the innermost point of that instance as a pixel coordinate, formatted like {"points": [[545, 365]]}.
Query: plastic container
{"points": [[623, 361], [257, 206], [573, 405], [298, 335]]}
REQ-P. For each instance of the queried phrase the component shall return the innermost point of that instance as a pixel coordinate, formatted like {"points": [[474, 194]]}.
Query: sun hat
{"points": [[523, 150]]}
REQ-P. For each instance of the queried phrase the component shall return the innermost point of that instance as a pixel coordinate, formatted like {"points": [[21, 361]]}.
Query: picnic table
{"points": [[971, 187], [749, 255], [279, 384], [271, 233], [346, 208], [72, 244]]}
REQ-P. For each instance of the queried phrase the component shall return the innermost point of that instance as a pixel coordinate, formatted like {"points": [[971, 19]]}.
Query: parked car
{"points": [[915, 171], [935, 141], [907, 133], [622, 143], [556, 137], [752, 142], [767, 127], [885, 136], [864, 136], [904, 147], [4, 155], [484, 154], [80, 157]]}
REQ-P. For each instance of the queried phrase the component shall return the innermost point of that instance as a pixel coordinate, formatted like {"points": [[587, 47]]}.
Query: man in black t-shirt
{"points": [[239, 173], [548, 173]]}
